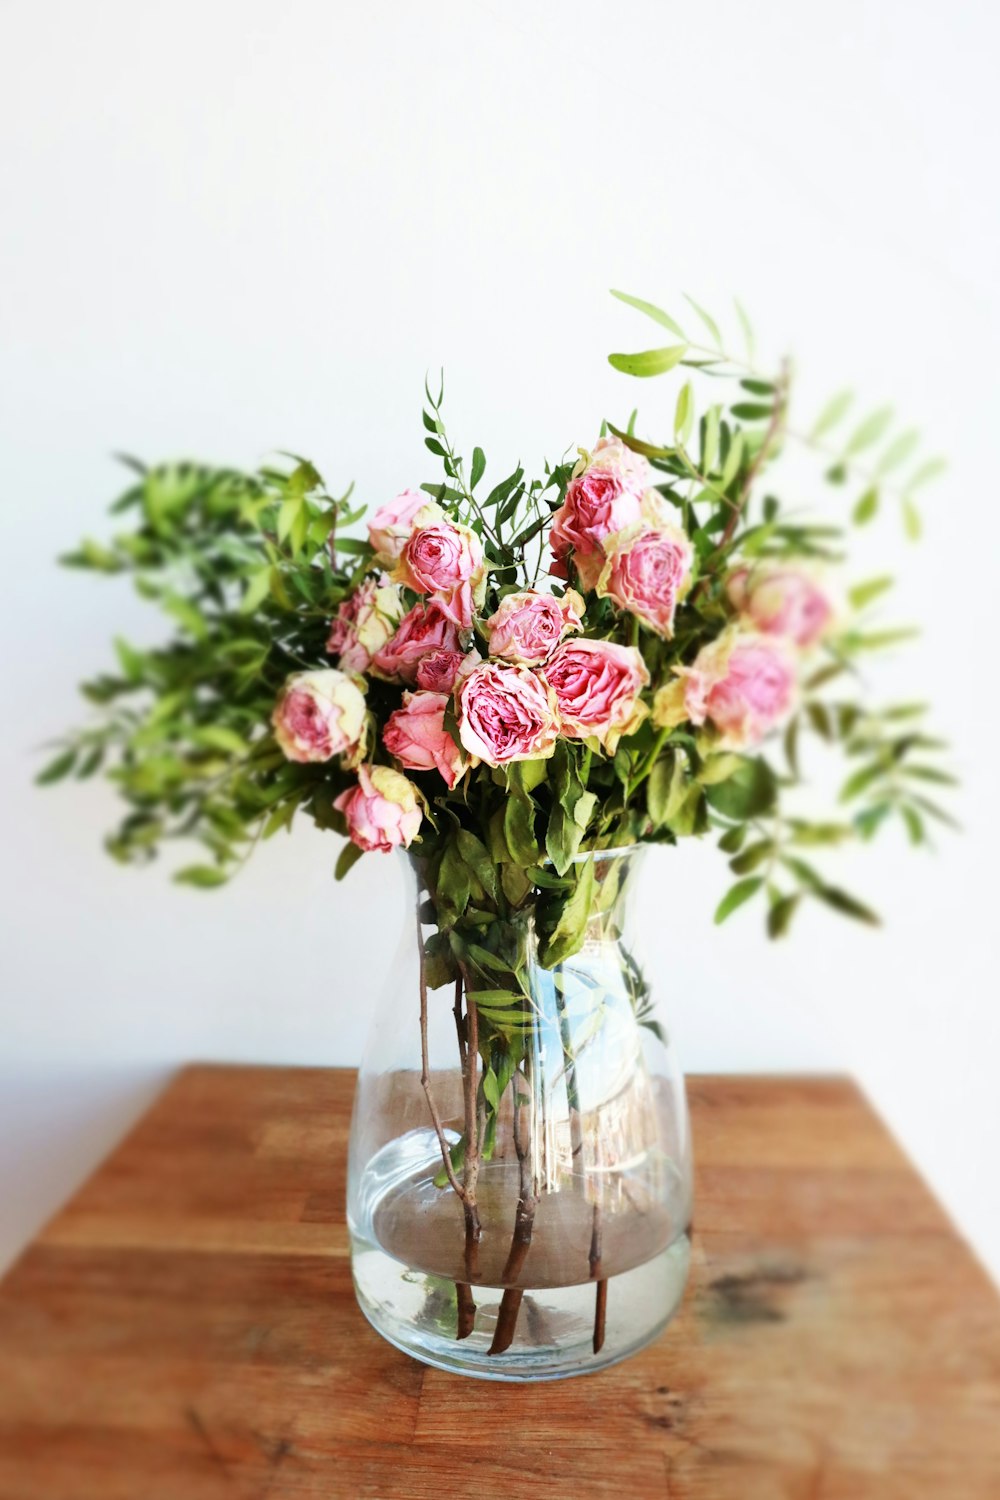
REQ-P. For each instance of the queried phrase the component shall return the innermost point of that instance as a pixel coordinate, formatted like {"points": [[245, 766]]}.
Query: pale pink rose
{"points": [[785, 601], [744, 684], [415, 735], [506, 713], [439, 671], [597, 686], [528, 626], [604, 496], [364, 623], [318, 715], [382, 811], [646, 570], [425, 629], [391, 524], [446, 561]]}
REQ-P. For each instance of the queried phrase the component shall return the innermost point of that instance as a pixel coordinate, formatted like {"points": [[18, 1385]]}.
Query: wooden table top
{"points": [[185, 1328]]}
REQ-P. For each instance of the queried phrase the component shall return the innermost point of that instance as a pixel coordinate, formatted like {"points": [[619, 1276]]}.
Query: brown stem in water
{"points": [[470, 1176], [601, 1303], [510, 1302]]}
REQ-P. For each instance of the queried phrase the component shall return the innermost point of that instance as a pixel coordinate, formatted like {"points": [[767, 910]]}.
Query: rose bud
{"points": [[383, 811], [415, 736]]}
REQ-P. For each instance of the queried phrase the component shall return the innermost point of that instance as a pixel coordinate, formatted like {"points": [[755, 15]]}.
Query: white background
{"points": [[234, 227]]}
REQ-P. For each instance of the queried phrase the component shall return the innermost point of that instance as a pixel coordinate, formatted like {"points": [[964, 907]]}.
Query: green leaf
{"points": [[899, 450], [202, 876], [833, 412], [258, 586], [847, 905], [478, 467], [491, 1088], [736, 896], [864, 511], [684, 413], [649, 361], [656, 313], [519, 830], [572, 924], [732, 840], [864, 593], [751, 411], [752, 857], [869, 431], [747, 794], [780, 916], [927, 471], [476, 856], [708, 321], [912, 523], [57, 769], [348, 856]]}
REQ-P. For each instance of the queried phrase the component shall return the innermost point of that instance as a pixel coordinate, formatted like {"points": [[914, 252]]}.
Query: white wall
{"points": [[231, 227]]}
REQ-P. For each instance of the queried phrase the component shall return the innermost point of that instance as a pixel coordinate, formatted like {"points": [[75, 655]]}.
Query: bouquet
{"points": [[501, 676]]}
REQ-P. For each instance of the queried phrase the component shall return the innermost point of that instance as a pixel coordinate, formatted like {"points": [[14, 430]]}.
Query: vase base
{"points": [[554, 1333]]}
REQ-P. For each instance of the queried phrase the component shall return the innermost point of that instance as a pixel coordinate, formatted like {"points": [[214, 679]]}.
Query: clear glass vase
{"points": [[560, 1243]]}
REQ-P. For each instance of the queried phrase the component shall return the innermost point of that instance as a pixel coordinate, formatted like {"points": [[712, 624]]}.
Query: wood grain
{"points": [[185, 1329]]}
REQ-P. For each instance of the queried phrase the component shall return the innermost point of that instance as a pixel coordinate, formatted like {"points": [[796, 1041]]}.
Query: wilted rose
{"points": [[506, 713], [597, 686], [318, 715], [364, 623], [646, 570], [603, 496], [528, 626], [743, 683], [415, 735], [445, 560], [426, 628], [382, 811], [782, 600], [391, 524], [440, 670]]}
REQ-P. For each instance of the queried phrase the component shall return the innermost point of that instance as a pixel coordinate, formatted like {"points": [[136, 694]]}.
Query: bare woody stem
{"points": [[470, 1175], [510, 1302]]}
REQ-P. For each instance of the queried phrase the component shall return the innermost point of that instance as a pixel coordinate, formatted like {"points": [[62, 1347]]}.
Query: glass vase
{"points": [[559, 1243]]}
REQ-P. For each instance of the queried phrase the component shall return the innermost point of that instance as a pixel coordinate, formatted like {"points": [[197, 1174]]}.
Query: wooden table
{"points": [[185, 1329]]}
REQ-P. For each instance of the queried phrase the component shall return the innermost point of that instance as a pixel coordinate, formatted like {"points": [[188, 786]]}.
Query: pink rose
{"points": [[415, 735], [446, 561], [391, 524], [597, 686], [782, 601], [425, 629], [742, 683], [604, 496], [364, 623], [527, 627], [382, 811], [318, 715], [505, 714], [646, 569], [439, 671]]}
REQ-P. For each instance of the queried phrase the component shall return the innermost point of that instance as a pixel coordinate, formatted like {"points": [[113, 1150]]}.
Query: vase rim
{"points": [[619, 851]]}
